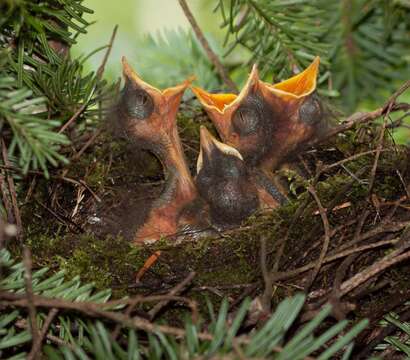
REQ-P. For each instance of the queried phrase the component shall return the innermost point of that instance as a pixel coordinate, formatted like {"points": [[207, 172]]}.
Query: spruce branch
{"points": [[92, 338]]}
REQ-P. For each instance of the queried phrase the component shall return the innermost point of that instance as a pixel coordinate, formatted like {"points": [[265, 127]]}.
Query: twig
{"points": [[389, 260], [52, 338], [382, 228], [128, 312], [406, 188], [379, 149], [37, 344], [99, 74], [56, 177], [87, 144], [101, 69], [6, 200], [12, 192], [176, 290], [334, 297], [97, 310], [282, 243], [267, 294], [399, 122], [343, 267], [326, 240], [357, 119], [350, 158], [292, 273], [1, 238], [30, 297], [364, 354], [64, 220], [209, 52]]}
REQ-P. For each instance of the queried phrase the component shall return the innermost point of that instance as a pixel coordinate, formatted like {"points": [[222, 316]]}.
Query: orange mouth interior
{"points": [[301, 84], [219, 101]]}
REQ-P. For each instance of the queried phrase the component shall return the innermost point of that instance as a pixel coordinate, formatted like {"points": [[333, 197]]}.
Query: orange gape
{"points": [[267, 123], [262, 127], [148, 117]]}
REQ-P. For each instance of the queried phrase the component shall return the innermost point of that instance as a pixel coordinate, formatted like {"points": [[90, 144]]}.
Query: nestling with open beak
{"points": [[226, 184], [268, 123], [147, 115]]}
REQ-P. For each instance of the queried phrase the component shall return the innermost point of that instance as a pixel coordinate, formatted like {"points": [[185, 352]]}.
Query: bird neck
{"points": [[177, 172]]}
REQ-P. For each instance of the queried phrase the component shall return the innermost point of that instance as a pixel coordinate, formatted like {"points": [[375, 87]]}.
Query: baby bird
{"points": [[226, 185], [147, 115], [267, 123]]}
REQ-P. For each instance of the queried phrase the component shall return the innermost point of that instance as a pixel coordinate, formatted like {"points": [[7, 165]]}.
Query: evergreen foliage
{"points": [[401, 340], [364, 49], [87, 339], [363, 44], [41, 87]]}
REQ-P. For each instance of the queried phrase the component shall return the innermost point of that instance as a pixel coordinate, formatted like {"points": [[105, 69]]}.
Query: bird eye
{"points": [[310, 111], [141, 99], [246, 120], [138, 102]]}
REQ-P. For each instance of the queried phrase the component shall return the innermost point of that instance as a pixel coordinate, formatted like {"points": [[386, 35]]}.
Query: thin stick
{"points": [[356, 119], [52, 338], [96, 310], [13, 194], [81, 183], [292, 273], [1, 238], [267, 294], [350, 158], [87, 144], [30, 296], [176, 290], [383, 227], [99, 74], [389, 260], [6, 199], [37, 344], [282, 243], [101, 69], [209, 52], [378, 150], [128, 312], [326, 240], [379, 266]]}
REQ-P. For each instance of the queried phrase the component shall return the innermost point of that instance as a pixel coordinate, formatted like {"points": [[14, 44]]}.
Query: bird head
{"points": [[147, 114], [223, 181], [266, 122]]}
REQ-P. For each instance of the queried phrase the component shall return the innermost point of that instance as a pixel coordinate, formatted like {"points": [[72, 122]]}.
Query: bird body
{"points": [[148, 117], [260, 128]]}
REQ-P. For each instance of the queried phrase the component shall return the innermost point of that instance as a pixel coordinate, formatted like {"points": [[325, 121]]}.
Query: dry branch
{"points": [[209, 52]]}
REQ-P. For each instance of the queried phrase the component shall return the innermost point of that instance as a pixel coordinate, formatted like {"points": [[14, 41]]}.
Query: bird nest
{"points": [[342, 237]]}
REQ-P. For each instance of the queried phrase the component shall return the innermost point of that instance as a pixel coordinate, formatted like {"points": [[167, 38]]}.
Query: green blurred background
{"points": [[137, 19], [141, 21]]}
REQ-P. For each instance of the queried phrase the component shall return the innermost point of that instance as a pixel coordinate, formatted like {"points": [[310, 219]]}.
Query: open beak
{"points": [[220, 107], [298, 86], [166, 101], [209, 145]]}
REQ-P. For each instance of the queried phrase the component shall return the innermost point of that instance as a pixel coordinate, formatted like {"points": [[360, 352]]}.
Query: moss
{"points": [[229, 260], [108, 262]]}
